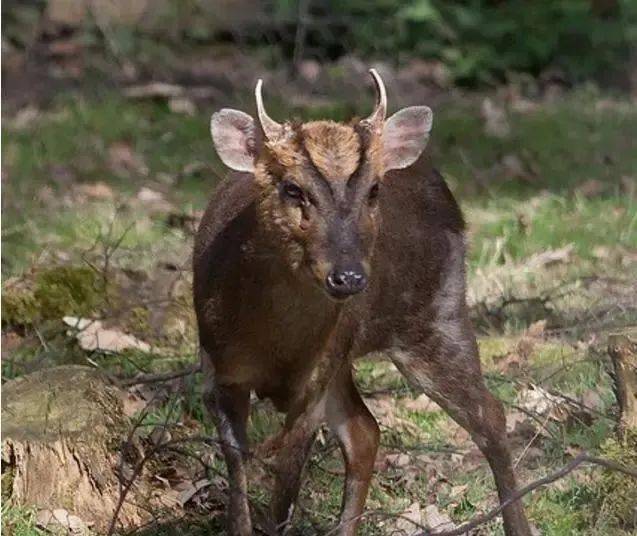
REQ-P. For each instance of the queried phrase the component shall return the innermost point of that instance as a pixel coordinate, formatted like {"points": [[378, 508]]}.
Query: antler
{"points": [[379, 113], [270, 127]]}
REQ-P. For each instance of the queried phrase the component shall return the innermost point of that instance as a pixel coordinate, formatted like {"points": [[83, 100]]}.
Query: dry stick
{"points": [[164, 377], [581, 458]]}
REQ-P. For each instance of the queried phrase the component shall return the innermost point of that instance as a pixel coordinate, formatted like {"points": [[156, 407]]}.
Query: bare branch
{"points": [[164, 377]]}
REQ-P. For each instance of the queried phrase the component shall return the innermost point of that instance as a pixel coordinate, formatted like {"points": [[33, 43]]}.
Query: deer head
{"points": [[321, 183]]}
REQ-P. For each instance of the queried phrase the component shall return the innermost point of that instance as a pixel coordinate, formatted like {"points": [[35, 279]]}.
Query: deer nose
{"points": [[343, 283]]}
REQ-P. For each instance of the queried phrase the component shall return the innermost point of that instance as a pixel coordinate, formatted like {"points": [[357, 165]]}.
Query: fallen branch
{"points": [[164, 377]]}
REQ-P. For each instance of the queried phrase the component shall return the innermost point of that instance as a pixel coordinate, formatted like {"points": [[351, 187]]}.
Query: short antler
{"points": [[270, 127], [380, 111]]}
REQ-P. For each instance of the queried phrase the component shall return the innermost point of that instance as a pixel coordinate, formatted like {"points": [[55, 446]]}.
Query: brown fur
{"points": [[266, 323], [333, 148]]}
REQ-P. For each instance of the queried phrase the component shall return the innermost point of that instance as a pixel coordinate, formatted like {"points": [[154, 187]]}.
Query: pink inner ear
{"points": [[234, 136], [405, 136]]}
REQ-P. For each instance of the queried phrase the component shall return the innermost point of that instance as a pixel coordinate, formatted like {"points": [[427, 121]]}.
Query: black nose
{"points": [[343, 283]]}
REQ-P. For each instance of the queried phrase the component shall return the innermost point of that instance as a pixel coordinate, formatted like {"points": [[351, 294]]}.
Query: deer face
{"points": [[322, 183]]}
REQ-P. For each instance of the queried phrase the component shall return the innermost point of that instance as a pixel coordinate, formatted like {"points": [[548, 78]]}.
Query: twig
{"points": [[164, 377]]}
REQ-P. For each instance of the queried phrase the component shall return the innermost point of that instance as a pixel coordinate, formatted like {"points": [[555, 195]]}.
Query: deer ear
{"points": [[234, 135], [405, 136]]}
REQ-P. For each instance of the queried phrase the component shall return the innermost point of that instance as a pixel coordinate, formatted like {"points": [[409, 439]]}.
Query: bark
{"points": [[623, 353]]}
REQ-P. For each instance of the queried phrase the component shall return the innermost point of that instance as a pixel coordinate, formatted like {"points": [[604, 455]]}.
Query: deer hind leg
{"points": [[229, 407], [449, 372], [358, 436]]}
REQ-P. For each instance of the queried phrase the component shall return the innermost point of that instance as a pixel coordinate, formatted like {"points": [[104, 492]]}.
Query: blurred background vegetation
{"points": [[107, 166]]}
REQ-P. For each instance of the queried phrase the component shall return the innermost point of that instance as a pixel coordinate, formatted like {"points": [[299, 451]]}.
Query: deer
{"points": [[331, 241]]}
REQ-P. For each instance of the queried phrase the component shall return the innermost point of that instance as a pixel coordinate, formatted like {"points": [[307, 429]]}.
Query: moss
{"points": [[617, 491], [51, 294], [19, 306], [68, 290], [137, 322], [494, 347]]}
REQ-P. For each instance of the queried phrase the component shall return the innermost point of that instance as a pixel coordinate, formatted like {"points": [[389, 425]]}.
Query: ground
{"points": [[101, 196]]}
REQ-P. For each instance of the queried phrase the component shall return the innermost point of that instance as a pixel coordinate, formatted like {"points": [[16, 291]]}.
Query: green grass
{"points": [[19, 521]]}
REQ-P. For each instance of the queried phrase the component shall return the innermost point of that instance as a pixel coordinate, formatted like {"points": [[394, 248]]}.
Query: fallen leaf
{"points": [[123, 159], [154, 90], [384, 408], [160, 435], [191, 490], [154, 199], [132, 403], [95, 190], [182, 105], [458, 492], [421, 403], [539, 401], [513, 167], [550, 257], [409, 521], [92, 335], [59, 517], [496, 123], [437, 520], [591, 188], [592, 400], [536, 329]]}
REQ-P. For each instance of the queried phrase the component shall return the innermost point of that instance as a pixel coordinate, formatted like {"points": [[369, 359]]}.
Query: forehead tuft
{"points": [[334, 148]]}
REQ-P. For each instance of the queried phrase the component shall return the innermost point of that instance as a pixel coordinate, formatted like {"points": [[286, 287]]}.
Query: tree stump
{"points": [[61, 432], [623, 353]]}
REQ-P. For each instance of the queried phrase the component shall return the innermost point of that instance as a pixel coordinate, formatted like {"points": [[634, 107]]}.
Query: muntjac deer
{"points": [[330, 242]]}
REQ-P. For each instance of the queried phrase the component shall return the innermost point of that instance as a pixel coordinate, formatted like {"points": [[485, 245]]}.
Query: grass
{"points": [[512, 216], [19, 521]]}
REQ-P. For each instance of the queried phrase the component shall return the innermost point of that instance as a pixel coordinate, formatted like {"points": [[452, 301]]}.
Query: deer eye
{"points": [[373, 192], [292, 191]]}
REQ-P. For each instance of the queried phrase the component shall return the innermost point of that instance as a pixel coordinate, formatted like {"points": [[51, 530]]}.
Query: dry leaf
{"points": [[95, 190], [457, 492], [496, 123], [591, 188], [59, 517], [421, 403], [536, 329], [92, 335], [539, 401], [182, 105], [409, 521], [154, 90], [550, 257], [191, 490], [132, 403], [154, 199], [437, 520], [123, 159]]}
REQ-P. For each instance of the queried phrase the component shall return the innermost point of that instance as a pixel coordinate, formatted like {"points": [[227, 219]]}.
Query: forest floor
{"points": [[101, 196]]}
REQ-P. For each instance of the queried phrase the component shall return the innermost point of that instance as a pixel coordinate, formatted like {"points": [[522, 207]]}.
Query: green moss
{"points": [[617, 491], [137, 322], [19, 306], [51, 294], [494, 347]]}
